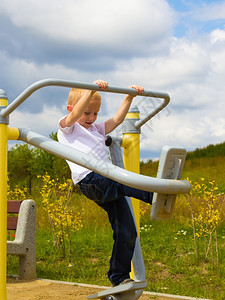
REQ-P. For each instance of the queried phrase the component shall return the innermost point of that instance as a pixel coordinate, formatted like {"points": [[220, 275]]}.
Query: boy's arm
{"points": [[120, 115], [76, 111]]}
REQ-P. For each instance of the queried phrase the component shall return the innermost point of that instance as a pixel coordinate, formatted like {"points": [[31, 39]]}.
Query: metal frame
{"points": [[72, 84], [163, 186]]}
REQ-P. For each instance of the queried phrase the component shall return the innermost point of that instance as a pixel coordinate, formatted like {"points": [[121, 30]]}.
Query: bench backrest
{"points": [[13, 207]]}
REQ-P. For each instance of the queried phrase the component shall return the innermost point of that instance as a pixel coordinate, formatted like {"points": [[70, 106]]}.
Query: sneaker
{"points": [[128, 280]]}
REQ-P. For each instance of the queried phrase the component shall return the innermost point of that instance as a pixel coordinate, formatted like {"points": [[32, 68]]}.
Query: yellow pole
{"points": [[131, 156], [3, 197]]}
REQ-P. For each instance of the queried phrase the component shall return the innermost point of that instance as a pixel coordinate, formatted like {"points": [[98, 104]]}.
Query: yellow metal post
{"points": [[131, 156], [3, 196], [131, 152]]}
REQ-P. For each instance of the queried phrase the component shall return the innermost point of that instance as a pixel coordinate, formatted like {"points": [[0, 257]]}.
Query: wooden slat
{"points": [[12, 223], [13, 206]]}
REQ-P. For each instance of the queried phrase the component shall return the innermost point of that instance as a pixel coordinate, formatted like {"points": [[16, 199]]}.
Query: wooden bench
{"points": [[22, 218]]}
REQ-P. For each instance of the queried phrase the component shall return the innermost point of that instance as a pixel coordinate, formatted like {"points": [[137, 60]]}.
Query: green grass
{"points": [[211, 168], [171, 265], [167, 246], [86, 263], [170, 262]]}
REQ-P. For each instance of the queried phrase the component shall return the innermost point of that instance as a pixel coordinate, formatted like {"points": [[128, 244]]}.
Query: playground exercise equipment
{"points": [[163, 185]]}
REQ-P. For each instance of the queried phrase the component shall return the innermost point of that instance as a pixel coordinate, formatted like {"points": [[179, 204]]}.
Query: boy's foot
{"points": [[128, 280]]}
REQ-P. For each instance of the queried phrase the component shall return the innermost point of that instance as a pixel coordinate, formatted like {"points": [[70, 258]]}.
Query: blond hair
{"points": [[76, 94]]}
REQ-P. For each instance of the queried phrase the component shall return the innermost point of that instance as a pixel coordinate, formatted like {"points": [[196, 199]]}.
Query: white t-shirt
{"points": [[90, 141]]}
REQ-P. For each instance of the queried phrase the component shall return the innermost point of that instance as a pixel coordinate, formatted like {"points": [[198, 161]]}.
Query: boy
{"points": [[77, 129]]}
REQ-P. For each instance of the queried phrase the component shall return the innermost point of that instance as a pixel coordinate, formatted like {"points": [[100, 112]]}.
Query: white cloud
{"points": [[44, 122], [217, 36], [211, 11], [102, 23], [183, 130], [184, 62], [191, 74]]}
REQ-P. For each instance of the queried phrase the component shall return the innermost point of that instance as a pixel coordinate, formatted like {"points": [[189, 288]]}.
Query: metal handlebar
{"points": [[157, 109], [72, 84], [164, 186]]}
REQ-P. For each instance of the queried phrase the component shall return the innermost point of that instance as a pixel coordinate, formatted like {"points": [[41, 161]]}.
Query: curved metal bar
{"points": [[141, 122], [164, 186], [71, 84]]}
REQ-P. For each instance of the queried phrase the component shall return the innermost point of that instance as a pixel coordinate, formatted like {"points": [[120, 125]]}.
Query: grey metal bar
{"points": [[72, 84], [164, 186], [142, 121], [137, 260]]}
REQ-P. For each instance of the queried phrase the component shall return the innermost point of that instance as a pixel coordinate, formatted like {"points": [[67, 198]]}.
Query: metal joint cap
{"points": [[3, 104], [128, 125], [3, 120], [3, 94], [134, 109]]}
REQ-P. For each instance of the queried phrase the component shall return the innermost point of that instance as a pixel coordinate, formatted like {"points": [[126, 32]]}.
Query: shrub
{"points": [[63, 220], [207, 214]]}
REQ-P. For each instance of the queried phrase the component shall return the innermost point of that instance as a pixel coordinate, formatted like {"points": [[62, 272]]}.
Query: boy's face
{"points": [[90, 114]]}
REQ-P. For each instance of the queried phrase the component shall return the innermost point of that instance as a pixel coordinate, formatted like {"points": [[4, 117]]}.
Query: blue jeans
{"points": [[110, 195]]}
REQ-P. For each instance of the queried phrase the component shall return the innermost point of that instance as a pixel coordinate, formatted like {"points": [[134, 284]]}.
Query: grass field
{"points": [[167, 246]]}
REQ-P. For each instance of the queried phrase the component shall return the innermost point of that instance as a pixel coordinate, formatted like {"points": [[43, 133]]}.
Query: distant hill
{"points": [[208, 163], [209, 151]]}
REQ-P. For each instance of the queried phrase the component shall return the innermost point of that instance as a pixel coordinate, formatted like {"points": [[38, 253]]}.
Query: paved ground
{"points": [[47, 290]]}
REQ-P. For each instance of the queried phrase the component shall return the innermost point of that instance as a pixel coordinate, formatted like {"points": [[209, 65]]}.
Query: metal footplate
{"points": [[121, 292], [171, 164]]}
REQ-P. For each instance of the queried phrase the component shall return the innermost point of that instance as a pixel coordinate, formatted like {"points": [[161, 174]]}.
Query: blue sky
{"points": [[189, 15], [170, 46]]}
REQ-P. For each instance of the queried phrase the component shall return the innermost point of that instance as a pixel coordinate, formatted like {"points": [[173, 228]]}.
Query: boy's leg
{"points": [[109, 195], [102, 189], [136, 193], [124, 235]]}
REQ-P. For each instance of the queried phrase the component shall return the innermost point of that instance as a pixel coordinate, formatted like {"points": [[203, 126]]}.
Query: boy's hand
{"points": [[102, 84], [138, 88]]}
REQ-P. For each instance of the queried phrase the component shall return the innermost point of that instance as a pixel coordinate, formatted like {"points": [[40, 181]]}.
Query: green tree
{"points": [[48, 163], [21, 165], [26, 162]]}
